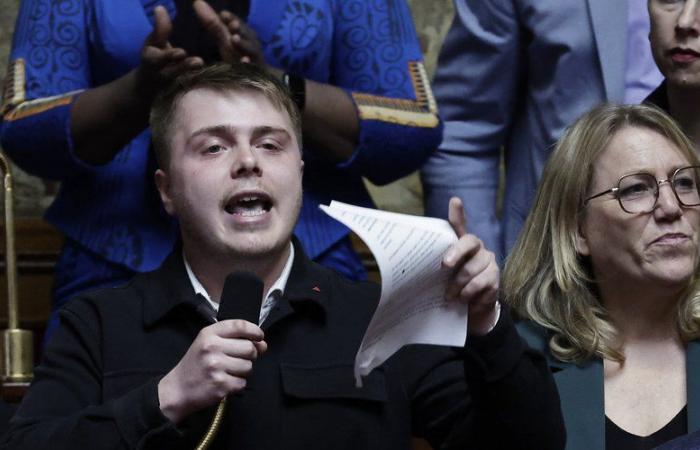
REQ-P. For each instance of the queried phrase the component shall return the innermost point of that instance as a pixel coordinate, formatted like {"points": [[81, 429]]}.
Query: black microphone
{"points": [[241, 297]]}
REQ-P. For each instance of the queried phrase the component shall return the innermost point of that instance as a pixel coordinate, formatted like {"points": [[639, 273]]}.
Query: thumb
{"points": [[455, 216], [161, 29]]}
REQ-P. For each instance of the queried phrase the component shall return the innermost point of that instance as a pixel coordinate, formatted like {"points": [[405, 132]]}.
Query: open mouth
{"points": [[248, 205]]}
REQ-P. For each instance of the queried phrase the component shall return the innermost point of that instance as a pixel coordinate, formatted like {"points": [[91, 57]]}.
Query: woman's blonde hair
{"points": [[545, 279]]}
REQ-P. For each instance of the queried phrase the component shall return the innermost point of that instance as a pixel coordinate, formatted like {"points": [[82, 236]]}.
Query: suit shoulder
{"points": [[365, 289], [126, 296]]}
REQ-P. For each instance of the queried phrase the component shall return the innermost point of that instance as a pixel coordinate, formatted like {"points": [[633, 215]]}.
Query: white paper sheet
{"points": [[412, 308]]}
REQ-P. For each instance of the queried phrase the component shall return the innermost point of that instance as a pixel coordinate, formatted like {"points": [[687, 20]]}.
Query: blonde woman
{"points": [[605, 272]]}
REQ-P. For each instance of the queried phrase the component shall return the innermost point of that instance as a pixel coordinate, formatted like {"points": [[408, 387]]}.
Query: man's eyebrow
{"points": [[220, 130], [215, 130], [266, 129]]}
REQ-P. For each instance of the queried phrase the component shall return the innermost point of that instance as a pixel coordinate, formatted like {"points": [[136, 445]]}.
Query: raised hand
{"points": [[159, 60], [216, 364], [237, 42], [475, 277], [244, 38]]}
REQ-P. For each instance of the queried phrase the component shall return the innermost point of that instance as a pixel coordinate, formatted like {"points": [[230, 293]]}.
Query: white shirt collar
{"points": [[275, 291]]}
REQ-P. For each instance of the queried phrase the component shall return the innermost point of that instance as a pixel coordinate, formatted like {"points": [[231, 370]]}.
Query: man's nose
{"points": [[245, 162]]}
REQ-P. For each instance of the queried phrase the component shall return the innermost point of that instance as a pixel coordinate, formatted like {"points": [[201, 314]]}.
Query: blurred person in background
{"points": [[512, 75]]}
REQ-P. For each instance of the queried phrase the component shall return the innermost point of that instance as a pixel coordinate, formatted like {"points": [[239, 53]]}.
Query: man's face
{"points": [[675, 40], [234, 177]]}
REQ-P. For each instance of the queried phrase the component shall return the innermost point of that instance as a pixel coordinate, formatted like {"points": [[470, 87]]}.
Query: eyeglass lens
{"points": [[638, 192]]}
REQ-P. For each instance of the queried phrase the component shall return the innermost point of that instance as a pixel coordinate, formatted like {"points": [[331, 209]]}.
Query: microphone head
{"points": [[241, 297]]}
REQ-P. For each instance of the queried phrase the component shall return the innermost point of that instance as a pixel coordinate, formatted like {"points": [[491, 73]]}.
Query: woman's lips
{"points": [[671, 239], [683, 55]]}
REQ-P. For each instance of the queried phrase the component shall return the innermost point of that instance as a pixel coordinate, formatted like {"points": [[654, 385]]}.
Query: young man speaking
{"points": [[144, 365]]}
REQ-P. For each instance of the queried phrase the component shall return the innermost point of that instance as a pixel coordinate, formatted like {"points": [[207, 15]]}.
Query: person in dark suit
{"points": [[144, 365], [606, 272]]}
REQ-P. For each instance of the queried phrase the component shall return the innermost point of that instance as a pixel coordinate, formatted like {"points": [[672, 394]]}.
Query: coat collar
{"points": [[168, 288], [308, 290], [583, 405], [581, 390], [692, 383]]}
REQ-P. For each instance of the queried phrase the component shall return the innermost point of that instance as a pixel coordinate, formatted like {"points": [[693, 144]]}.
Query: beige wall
{"points": [[8, 11], [432, 19]]}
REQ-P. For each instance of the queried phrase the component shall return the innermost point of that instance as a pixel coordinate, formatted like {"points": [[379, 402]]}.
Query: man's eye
{"points": [[269, 145], [216, 148]]}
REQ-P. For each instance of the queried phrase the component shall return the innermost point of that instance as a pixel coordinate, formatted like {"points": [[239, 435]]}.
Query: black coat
{"points": [[97, 385]]}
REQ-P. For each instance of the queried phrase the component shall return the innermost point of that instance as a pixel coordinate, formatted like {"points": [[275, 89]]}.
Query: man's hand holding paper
{"points": [[424, 262], [475, 274]]}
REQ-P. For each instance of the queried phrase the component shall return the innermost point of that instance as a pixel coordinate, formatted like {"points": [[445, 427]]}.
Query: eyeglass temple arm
{"points": [[600, 194]]}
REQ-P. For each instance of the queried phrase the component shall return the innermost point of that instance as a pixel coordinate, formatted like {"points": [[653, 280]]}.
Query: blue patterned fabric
{"points": [[112, 212]]}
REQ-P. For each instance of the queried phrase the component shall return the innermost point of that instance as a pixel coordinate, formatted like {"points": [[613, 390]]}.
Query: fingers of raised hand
{"points": [[231, 20], [161, 28], [236, 25], [461, 251], [250, 49], [175, 68], [155, 57], [481, 293], [243, 38], [476, 280], [241, 29], [211, 21], [456, 217]]}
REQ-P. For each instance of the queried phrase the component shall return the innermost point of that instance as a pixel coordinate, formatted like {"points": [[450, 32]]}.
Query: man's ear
{"points": [[580, 242], [301, 167], [163, 186]]}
